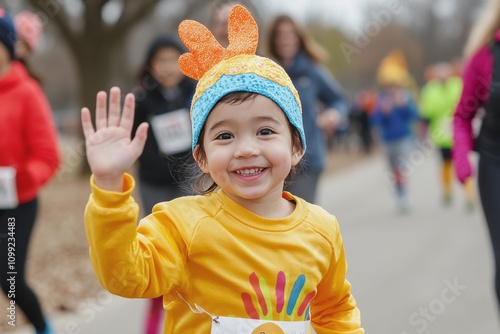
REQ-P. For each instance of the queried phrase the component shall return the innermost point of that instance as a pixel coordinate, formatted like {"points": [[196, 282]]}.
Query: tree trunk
{"points": [[93, 43], [93, 75]]}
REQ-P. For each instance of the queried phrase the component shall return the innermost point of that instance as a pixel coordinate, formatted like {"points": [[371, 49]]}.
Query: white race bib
{"points": [[172, 131], [8, 192], [445, 127], [227, 325]]}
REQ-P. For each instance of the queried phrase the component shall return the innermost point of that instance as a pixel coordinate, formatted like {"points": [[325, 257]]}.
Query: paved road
{"points": [[429, 271], [425, 272]]}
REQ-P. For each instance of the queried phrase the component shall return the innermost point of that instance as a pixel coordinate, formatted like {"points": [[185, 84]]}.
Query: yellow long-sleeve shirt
{"points": [[212, 252]]}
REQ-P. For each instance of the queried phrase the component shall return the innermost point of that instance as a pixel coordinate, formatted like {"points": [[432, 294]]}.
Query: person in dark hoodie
{"points": [[301, 57], [29, 158], [163, 100]]}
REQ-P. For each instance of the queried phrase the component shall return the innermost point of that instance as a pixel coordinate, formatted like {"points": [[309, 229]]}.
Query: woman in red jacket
{"points": [[29, 158]]}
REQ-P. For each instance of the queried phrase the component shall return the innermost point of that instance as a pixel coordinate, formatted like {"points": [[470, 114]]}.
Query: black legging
{"points": [[24, 215], [489, 192]]}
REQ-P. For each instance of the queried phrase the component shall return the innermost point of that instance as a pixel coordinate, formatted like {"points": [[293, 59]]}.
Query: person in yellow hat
{"points": [[394, 116]]}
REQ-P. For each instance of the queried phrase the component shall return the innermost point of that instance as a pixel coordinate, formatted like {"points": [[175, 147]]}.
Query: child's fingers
{"points": [[88, 128], [140, 138], [127, 120], [114, 107], [100, 111]]}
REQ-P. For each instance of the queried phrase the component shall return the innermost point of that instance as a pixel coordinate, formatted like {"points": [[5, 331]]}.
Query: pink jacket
{"points": [[476, 83]]}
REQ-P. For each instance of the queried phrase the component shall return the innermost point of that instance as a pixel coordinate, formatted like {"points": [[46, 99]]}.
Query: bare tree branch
{"points": [[101, 3], [60, 19], [132, 15]]}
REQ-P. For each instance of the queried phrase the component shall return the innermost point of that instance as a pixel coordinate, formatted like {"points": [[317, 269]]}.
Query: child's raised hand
{"points": [[110, 149]]}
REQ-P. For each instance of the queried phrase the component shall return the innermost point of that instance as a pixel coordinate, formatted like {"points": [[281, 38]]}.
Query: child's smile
{"points": [[248, 148], [250, 172]]}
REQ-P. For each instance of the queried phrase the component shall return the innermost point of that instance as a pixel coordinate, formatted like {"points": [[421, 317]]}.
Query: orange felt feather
{"points": [[206, 52]]}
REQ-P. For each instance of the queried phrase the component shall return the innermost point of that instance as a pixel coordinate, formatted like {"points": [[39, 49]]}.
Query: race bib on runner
{"points": [[8, 192], [227, 325], [172, 131], [445, 127]]}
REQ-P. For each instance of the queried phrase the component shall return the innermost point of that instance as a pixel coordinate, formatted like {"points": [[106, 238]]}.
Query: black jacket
{"points": [[154, 166]]}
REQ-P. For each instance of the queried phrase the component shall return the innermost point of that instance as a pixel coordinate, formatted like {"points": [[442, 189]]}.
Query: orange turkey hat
{"points": [[221, 71]]}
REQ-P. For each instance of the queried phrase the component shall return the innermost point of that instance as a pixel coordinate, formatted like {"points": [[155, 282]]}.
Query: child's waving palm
{"points": [[110, 149]]}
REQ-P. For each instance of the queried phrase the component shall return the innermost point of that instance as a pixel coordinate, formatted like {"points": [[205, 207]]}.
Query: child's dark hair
{"points": [[202, 183]]}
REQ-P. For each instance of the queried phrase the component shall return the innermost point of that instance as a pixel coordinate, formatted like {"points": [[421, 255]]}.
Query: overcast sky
{"points": [[346, 14]]}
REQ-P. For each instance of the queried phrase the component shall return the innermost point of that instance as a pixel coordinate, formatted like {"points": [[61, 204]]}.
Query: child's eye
{"points": [[224, 136], [265, 132]]}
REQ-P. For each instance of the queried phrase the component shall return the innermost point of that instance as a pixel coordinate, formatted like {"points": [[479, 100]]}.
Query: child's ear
{"points": [[200, 159], [297, 155]]}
